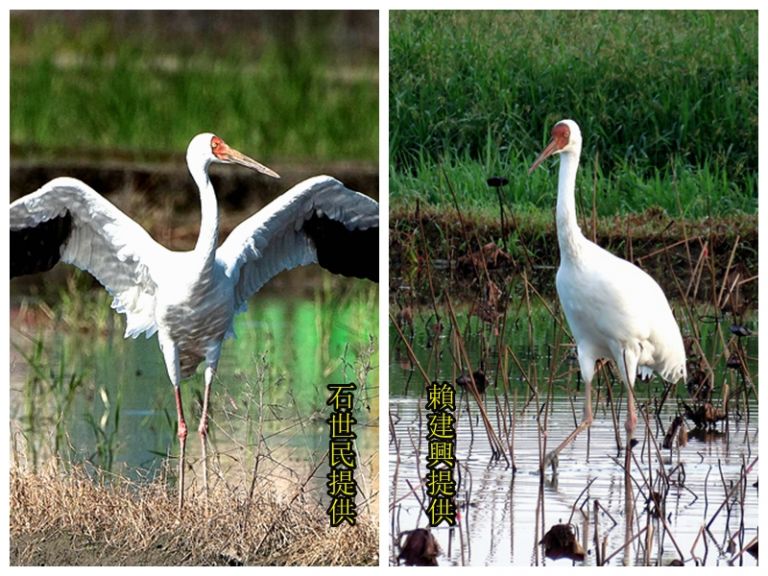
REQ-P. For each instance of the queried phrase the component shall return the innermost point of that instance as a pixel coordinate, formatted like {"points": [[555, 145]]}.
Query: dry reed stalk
{"points": [[496, 445], [121, 522]]}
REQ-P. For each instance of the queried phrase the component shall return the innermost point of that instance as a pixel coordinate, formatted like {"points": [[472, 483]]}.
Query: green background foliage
{"points": [[297, 85], [667, 104]]}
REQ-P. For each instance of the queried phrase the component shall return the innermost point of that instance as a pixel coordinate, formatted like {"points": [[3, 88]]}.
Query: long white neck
{"points": [[569, 234], [205, 248]]}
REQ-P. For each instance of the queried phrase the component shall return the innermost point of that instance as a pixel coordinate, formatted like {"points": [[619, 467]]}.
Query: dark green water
{"points": [[97, 397]]}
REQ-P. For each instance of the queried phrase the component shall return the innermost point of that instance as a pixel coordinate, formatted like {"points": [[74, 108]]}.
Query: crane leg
{"points": [[586, 422], [171, 357], [210, 371], [631, 422], [628, 372], [182, 434]]}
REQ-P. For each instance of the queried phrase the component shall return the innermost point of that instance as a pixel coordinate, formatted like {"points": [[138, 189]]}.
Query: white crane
{"points": [[190, 298], [615, 310]]}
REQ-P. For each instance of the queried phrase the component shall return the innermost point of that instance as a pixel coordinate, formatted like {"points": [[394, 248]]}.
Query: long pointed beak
{"points": [[236, 157], [230, 155], [546, 153]]}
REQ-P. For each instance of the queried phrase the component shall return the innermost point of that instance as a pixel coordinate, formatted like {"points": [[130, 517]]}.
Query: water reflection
{"points": [[504, 516]]}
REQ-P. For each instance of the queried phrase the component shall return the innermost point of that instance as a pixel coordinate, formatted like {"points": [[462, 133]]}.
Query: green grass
{"points": [[91, 90], [667, 103], [681, 190]]}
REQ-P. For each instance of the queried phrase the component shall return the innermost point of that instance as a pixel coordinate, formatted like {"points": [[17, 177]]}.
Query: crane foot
{"points": [[550, 459]]}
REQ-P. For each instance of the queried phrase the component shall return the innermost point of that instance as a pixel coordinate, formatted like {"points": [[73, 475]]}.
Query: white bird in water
{"points": [[615, 310], [190, 298]]}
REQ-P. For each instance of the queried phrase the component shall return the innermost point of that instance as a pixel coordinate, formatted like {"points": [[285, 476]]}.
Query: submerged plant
{"points": [[48, 394]]}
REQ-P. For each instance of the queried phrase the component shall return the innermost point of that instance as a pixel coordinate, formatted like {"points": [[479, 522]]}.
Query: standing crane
{"points": [[190, 298], [615, 310]]}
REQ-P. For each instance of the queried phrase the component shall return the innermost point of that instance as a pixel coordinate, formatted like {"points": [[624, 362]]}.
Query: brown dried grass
{"points": [[60, 516]]}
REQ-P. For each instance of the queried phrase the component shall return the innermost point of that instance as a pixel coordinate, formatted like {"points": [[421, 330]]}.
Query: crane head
{"points": [[206, 148], [566, 137]]}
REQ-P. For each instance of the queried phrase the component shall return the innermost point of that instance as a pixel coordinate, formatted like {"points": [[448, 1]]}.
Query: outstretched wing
{"points": [[69, 221], [318, 220]]}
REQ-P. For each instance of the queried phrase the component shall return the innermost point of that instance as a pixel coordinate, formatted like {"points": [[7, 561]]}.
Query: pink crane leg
{"points": [[203, 429], [586, 422], [182, 434]]}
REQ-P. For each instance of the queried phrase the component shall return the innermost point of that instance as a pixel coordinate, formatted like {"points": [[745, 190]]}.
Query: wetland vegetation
{"points": [[667, 104], [92, 418], [519, 348], [300, 86], [93, 422], [473, 255]]}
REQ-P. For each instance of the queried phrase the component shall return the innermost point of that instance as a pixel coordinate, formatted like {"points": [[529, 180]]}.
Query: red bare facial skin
{"points": [[561, 135], [220, 149]]}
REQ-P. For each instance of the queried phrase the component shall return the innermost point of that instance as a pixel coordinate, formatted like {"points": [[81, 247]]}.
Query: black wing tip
{"points": [[38, 248], [341, 250]]}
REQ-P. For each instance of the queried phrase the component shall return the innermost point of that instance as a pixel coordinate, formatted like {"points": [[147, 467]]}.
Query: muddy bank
{"points": [[169, 182], [686, 257]]}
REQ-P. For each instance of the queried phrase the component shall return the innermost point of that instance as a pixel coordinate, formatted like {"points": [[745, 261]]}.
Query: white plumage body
{"points": [[189, 297], [615, 310], [613, 306]]}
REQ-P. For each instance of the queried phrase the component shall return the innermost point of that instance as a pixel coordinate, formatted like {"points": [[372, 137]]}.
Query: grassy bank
{"points": [[108, 81], [680, 190], [452, 243], [667, 103]]}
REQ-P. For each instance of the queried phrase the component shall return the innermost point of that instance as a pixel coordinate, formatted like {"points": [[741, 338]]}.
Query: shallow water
{"points": [[505, 514], [119, 413]]}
